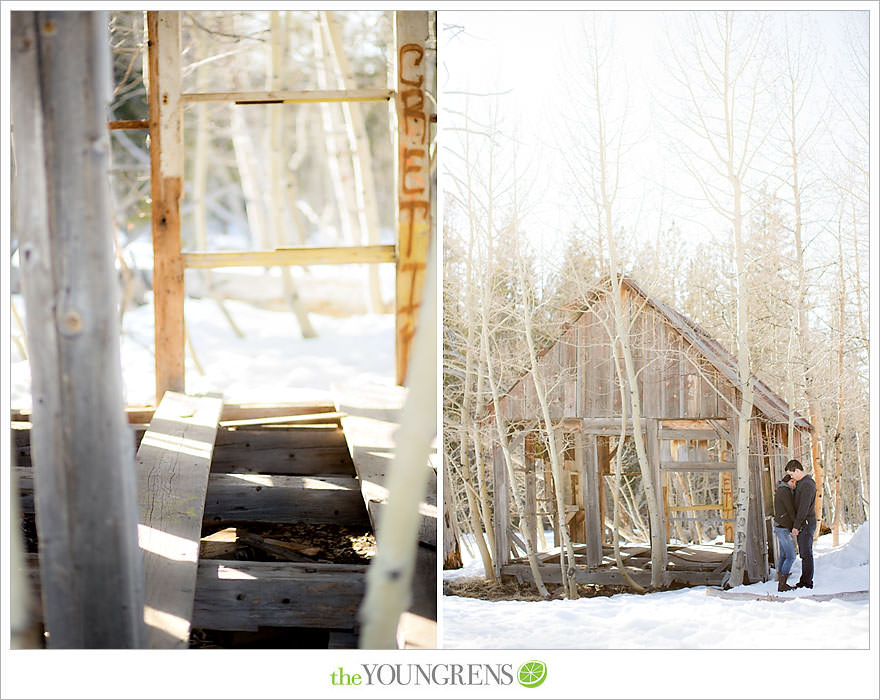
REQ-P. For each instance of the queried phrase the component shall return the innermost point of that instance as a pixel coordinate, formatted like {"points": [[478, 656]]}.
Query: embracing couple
{"points": [[795, 508]]}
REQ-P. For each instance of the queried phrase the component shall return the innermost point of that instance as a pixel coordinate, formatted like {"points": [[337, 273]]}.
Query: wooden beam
{"points": [[301, 450], [698, 466], [612, 576], [130, 124], [264, 498], [597, 426], [652, 448], [499, 523], [92, 576], [333, 416], [166, 182], [173, 462], [415, 74], [586, 458], [675, 434], [270, 97], [244, 595], [334, 255], [285, 499], [261, 457], [233, 595]]}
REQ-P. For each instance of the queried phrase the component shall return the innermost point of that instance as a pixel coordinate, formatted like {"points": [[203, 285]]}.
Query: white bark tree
{"points": [[720, 73]]}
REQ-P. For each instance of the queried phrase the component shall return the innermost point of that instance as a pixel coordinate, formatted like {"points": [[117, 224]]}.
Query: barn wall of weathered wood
{"points": [[687, 404]]}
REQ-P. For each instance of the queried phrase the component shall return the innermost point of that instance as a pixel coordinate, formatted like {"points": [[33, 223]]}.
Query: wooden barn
{"points": [[197, 531], [687, 386]]}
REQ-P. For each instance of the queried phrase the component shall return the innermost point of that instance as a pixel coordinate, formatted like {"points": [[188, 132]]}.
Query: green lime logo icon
{"points": [[532, 673]]}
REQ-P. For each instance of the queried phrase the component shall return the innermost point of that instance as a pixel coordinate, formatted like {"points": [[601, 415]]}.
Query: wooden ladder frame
{"points": [[414, 75]]}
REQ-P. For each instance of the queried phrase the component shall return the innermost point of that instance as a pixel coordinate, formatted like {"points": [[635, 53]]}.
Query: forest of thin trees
{"points": [[767, 157]]}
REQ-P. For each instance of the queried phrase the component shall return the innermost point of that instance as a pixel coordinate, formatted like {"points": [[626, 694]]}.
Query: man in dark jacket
{"points": [[804, 519], [783, 507]]}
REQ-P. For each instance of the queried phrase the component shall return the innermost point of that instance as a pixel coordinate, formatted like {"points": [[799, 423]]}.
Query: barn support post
{"points": [[531, 500], [652, 447], [415, 76], [166, 183], [502, 510], [586, 460], [91, 568]]}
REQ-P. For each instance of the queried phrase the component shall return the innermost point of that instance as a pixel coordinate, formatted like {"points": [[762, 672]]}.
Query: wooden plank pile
{"points": [[223, 490]]}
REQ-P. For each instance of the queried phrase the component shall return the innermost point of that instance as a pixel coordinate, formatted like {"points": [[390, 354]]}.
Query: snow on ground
{"points": [[272, 363], [682, 619]]}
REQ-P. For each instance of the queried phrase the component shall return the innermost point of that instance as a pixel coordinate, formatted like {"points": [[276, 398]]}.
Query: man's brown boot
{"points": [[783, 583]]}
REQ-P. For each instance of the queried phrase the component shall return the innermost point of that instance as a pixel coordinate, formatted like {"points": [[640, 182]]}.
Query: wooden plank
{"points": [[697, 466], [87, 517], [652, 449], [166, 183], [334, 255], [531, 479], [680, 434], [415, 63], [257, 438], [242, 596], [264, 410], [284, 499], [343, 639], [612, 576], [586, 458], [502, 509], [283, 420], [172, 463], [282, 452], [124, 124], [256, 97], [370, 423], [597, 426]]}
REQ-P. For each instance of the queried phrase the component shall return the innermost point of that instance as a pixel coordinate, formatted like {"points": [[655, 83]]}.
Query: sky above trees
{"points": [[529, 67]]}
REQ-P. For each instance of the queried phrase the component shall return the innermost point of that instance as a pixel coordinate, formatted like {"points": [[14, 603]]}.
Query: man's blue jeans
{"points": [[805, 549], [786, 550]]}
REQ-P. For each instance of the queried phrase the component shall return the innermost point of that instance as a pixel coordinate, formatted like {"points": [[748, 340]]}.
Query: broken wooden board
{"points": [[172, 463], [820, 597]]}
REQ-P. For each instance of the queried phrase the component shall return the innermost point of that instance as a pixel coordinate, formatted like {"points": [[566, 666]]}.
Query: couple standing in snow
{"points": [[795, 508]]}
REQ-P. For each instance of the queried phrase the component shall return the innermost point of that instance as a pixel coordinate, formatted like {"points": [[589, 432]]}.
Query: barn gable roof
{"points": [[773, 406]]}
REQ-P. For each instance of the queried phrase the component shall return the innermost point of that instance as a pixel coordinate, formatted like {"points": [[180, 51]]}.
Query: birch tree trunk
{"points": [[200, 178], [389, 578], [732, 83], [740, 532], [338, 165], [91, 569], [501, 429], [277, 177], [837, 441], [359, 144], [604, 193]]}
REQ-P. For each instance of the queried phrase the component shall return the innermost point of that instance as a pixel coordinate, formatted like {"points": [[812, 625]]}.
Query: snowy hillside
{"points": [[682, 619]]}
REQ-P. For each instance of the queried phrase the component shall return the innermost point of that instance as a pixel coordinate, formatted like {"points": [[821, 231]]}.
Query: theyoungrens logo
{"points": [[529, 675]]}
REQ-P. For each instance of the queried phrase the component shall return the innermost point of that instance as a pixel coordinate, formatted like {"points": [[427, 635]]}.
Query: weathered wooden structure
{"points": [[687, 383], [200, 463]]}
